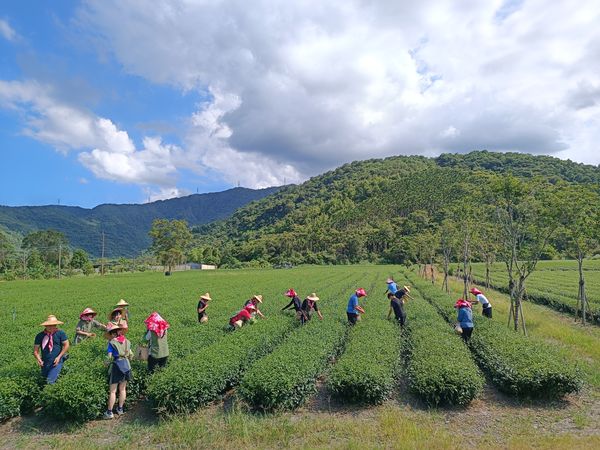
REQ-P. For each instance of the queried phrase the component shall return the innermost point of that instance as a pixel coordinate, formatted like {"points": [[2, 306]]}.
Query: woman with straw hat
{"points": [[464, 319], [119, 369], [117, 316], [125, 308], [202, 305], [242, 317], [255, 301], [50, 347], [87, 321], [309, 305]]}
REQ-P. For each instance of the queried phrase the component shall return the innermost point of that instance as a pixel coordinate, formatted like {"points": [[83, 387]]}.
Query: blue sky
{"points": [[122, 101]]}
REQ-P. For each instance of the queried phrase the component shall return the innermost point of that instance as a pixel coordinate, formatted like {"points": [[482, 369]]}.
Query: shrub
{"points": [[20, 387], [368, 369], [287, 377]]}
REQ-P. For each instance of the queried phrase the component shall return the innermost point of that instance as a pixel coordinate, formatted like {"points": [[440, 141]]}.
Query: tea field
{"points": [[301, 385], [554, 283]]}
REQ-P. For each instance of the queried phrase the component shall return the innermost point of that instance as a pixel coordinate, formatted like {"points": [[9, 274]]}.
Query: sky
{"points": [[128, 101]]}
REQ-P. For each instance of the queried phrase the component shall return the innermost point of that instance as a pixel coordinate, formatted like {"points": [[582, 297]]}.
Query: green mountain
{"points": [[367, 210], [125, 226]]}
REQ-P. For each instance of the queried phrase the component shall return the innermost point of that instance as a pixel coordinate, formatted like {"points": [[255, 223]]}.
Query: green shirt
{"points": [[159, 347], [86, 326]]}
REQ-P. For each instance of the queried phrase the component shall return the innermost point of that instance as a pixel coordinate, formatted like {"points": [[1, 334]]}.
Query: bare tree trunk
{"points": [[487, 271], [518, 308], [446, 270], [581, 297], [432, 271]]}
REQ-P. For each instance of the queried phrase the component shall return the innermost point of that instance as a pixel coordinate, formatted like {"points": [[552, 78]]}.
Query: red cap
{"points": [[290, 293], [361, 292], [475, 291]]}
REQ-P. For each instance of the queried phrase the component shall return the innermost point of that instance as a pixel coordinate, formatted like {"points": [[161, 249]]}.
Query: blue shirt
{"points": [[112, 351], [392, 287], [352, 304], [465, 317], [58, 338]]}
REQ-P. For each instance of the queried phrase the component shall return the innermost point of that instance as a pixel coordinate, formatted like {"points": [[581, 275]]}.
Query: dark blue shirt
{"points": [[58, 338]]}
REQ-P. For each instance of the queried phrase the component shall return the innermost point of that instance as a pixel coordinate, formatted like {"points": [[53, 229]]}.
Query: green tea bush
{"points": [[518, 365], [287, 377], [440, 368], [20, 388], [200, 378], [368, 369]]}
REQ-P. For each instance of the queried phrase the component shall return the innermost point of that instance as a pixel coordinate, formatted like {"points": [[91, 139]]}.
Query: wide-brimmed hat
{"points": [[313, 297], [389, 280], [122, 303], [51, 320], [361, 292], [88, 311], [406, 288], [290, 293], [206, 296], [475, 291], [110, 327], [258, 298], [120, 308]]}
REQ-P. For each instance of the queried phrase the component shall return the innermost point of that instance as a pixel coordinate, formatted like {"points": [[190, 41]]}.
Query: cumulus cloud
{"points": [[6, 31], [165, 193], [113, 154], [300, 87]]}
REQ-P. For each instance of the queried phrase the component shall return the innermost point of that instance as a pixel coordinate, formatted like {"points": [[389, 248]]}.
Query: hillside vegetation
{"points": [[125, 226], [379, 210]]}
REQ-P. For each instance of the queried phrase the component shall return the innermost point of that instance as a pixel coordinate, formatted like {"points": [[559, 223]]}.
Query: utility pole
{"points": [[59, 258], [102, 258]]}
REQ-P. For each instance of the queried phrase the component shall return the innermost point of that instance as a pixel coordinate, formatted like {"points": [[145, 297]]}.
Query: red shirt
{"points": [[242, 315]]}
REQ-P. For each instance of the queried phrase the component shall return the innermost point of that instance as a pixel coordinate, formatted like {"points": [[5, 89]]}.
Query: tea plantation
{"points": [[275, 364]]}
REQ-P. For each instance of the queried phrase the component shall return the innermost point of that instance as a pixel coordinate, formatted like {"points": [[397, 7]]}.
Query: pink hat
{"points": [[475, 291], [460, 303], [290, 293], [88, 311], [361, 292]]}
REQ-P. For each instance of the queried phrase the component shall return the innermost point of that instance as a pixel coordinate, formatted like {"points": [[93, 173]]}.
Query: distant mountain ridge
{"points": [[125, 226]]}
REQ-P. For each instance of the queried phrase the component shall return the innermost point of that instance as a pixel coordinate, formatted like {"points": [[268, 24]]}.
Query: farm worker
{"points": [[119, 368], [465, 318], [53, 345], [309, 305], [255, 301], [392, 287], [124, 305], [242, 317], [86, 322], [116, 316], [295, 302], [158, 350], [397, 301], [202, 305], [485, 303], [354, 310]]}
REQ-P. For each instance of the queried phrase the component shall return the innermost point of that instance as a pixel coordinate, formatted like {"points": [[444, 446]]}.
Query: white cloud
{"points": [[6, 31], [165, 194], [313, 84], [113, 154]]}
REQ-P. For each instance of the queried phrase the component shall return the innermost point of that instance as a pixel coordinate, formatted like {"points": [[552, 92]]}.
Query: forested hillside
{"points": [[379, 210], [125, 226]]}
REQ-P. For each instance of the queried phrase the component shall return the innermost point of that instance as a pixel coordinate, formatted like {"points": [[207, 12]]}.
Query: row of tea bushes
{"points": [[287, 377], [368, 369], [519, 365], [440, 369]]}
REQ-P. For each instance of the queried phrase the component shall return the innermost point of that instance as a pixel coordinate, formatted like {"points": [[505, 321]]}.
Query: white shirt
{"points": [[484, 301]]}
